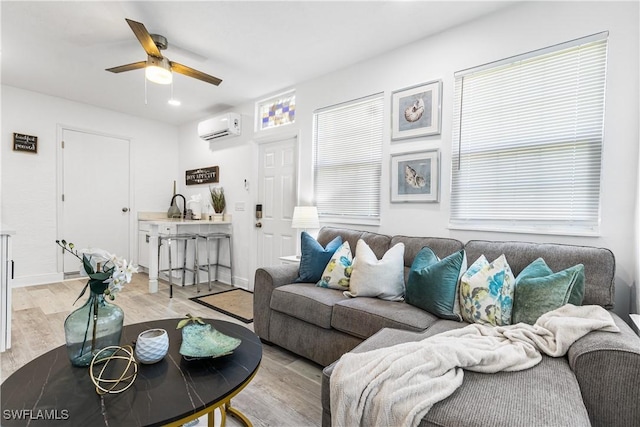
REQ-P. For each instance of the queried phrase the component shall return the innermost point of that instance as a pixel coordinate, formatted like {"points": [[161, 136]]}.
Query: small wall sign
{"points": [[22, 142], [208, 175]]}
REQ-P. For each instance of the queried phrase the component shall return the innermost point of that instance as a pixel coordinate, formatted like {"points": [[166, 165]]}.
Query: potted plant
{"points": [[218, 202]]}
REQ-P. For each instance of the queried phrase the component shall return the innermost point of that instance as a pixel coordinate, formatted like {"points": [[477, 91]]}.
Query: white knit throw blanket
{"points": [[398, 385]]}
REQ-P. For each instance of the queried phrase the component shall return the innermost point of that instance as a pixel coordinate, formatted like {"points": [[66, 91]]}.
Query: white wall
{"points": [[513, 31], [29, 198]]}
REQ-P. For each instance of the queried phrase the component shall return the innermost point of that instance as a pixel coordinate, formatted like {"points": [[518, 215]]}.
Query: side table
{"points": [[290, 259]]}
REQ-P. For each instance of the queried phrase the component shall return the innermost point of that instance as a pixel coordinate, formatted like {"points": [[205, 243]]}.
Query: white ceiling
{"points": [[256, 48]]}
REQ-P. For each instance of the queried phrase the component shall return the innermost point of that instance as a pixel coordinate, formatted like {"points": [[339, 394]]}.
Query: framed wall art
{"points": [[415, 111], [415, 177]]}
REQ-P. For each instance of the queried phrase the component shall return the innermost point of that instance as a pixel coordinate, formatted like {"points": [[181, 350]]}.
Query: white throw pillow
{"points": [[372, 277]]}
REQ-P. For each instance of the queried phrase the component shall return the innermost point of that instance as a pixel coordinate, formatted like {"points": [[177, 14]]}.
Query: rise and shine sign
{"points": [[26, 143]]}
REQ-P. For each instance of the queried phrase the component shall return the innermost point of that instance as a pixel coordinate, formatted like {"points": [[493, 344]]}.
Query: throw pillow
{"points": [[539, 290], [371, 277], [337, 273], [433, 283], [486, 292], [314, 257]]}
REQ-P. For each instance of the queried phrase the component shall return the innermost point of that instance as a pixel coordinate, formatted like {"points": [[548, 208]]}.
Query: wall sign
{"points": [[208, 175], [22, 142]]}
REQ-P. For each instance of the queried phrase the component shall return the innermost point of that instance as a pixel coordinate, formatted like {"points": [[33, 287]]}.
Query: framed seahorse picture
{"points": [[415, 176], [415, 110]]}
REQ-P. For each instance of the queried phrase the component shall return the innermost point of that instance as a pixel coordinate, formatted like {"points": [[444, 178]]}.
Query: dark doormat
{"points": [[237, 303]]}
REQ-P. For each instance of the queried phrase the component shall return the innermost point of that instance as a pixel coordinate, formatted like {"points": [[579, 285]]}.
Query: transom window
{"points": [[527, 141]]}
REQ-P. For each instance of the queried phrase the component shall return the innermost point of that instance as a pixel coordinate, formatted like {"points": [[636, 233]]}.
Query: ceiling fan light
{"points": [[158, 71]]}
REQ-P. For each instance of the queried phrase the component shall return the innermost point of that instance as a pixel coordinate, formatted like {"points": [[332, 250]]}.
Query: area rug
{"points": [[237, 303]]}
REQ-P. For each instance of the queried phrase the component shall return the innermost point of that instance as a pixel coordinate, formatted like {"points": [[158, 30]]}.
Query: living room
{"points": [[517, 29]]}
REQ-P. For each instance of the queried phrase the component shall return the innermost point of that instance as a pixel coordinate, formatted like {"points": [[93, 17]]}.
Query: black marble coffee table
{"points": [[49, 391]]}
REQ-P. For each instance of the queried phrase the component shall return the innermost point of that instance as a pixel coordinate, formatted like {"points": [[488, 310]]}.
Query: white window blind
{"points": [[348, 159], [527, 141]]}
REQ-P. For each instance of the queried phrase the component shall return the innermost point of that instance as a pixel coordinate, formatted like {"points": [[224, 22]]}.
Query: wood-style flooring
{"points": [[285, 392]]}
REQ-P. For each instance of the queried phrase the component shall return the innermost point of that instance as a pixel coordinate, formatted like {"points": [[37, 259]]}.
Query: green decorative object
{"points": [[92, 327], [201, 341]]}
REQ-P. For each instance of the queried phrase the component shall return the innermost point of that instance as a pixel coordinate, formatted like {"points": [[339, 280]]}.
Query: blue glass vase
{"points": [[92, 327]]}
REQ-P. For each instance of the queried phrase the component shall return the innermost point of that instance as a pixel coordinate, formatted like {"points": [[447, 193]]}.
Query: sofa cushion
{"points": [[306, 302], [539, 290], [315, 257], [442, 247], [522, 398], [599, 263], [379, 243], [363, 317], [373, 277], [337, 273], [486, 292], [433, 283], [546, 395]]}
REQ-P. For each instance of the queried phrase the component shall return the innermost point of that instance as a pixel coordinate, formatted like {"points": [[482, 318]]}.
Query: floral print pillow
{"points": [[486, 292], [337, 273]]}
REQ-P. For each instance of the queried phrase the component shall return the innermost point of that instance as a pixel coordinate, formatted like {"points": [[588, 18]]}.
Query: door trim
{"points": [[60, 128]]}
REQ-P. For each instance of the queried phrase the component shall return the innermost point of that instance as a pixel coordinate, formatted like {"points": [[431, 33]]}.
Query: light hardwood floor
{"points": [[285, 392]]}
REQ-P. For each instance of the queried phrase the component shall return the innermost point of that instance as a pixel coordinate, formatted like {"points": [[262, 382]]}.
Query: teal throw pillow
{"points": [[433, 283], [539, 290], [314, 257]]}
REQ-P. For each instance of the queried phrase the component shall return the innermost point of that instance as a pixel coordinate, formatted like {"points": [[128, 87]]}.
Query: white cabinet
{"points": [[6, 276]]}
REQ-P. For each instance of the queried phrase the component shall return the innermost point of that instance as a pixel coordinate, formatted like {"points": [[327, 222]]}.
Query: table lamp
{"points": [[305, 217]]}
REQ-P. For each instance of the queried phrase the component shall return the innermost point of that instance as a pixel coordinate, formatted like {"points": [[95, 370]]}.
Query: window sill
{"points": [[526, 230], [350, 221]]}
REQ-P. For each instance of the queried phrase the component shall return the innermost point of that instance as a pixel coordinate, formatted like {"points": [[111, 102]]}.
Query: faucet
{"points": [[184, 204]]}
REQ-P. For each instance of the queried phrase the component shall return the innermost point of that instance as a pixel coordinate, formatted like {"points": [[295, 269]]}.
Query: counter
{"points": [[151, 225], [6, 276]]}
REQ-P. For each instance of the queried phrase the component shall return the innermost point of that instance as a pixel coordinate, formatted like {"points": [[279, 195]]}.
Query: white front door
{"points": [[277, 174], [95, 194]]}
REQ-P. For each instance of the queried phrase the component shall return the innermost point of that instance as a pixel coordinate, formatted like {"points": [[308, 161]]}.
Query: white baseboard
{"points": [[42, 279]]}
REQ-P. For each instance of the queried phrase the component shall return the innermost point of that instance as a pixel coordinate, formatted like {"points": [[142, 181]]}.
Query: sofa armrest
{"points": [[266, 280], [607, 367]]}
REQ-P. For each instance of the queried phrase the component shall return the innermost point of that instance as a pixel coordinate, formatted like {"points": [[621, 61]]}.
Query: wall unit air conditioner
{"points": [[218, 127]]}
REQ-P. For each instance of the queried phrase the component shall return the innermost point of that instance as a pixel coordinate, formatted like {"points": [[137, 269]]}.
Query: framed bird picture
{"points": [[415, 177], [415, 111]]}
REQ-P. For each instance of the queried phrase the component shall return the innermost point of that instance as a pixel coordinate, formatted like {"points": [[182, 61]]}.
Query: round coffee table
{"points": [[49, 391]]}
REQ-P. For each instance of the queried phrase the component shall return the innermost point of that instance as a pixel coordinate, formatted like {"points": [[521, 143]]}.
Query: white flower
{"points": [[95, 256]]}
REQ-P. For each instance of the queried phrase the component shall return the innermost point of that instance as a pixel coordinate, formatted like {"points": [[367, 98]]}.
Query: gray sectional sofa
{"points": [[597, 383]]}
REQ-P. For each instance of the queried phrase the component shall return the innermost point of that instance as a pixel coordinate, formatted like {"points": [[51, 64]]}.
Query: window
{"points": [[348, 159], [277, 111], [527, 141]]}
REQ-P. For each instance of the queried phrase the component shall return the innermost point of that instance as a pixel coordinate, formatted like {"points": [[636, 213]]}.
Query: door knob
{"points": [[125, 209]]}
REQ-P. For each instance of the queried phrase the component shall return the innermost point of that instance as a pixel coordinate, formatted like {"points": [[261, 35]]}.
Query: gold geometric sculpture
{"points": [[125, 372]]}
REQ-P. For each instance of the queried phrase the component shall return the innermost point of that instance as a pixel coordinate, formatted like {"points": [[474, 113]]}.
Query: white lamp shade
{"points": [[305, 217]]}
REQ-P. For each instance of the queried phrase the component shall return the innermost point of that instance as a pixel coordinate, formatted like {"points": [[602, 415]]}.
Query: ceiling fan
{"points": [[158, 68]]}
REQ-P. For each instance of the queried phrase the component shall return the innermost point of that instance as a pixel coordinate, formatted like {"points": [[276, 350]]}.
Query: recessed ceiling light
{"points": [[174, 102]]}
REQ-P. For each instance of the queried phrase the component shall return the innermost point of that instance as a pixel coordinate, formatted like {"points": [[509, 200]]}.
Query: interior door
{"points": [[95, 194], [277, 177]]}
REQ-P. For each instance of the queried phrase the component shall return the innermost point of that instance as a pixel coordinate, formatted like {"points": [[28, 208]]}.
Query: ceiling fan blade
{"points": [[128, 67], [190, 72], [144, 38]]}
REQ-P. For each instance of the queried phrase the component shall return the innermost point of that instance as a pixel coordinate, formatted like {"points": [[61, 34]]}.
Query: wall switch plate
{"points": [[239, 206]]}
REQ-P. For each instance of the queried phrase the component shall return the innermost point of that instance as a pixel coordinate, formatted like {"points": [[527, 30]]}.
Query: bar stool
{"points": [[185, 238], [208, 237]]}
